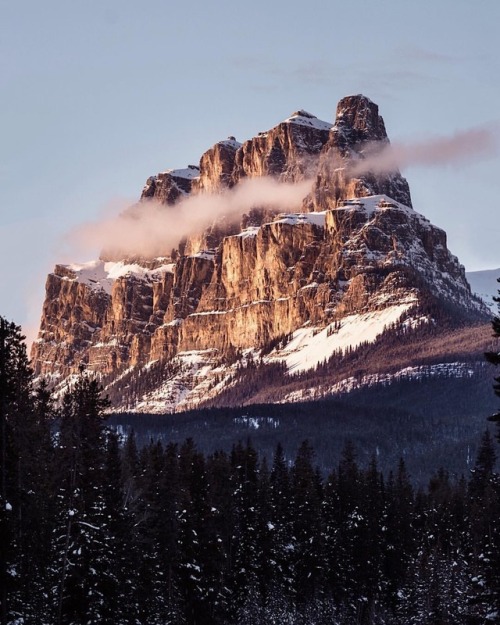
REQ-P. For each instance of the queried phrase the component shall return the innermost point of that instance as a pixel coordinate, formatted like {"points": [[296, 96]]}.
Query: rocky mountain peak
{"points": [[286, 151], [357, 125], [302, 113], [217, 165], [169, 186], [356, 256], [358, 116]]}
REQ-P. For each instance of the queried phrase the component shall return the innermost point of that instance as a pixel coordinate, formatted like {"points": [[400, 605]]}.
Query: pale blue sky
{"points": [[98, 95]]}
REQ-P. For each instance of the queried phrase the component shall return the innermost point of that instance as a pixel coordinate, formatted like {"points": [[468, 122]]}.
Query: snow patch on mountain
{"points": [[194, 377], [251, 231], [100, 275], [303, 118], [446, 370], [310, 346], [190, 172], [373, 204], [231, 142], [485, 285], [294, 219]]}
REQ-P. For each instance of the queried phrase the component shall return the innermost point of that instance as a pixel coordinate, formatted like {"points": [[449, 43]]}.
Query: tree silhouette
{"points": [[494, 358]]}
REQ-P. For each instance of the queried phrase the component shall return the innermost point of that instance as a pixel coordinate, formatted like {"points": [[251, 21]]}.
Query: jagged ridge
{"points": [[358, 249]]}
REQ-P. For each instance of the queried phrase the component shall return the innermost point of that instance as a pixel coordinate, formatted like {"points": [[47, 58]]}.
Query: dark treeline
{"points": [[98, 531], [428, 422]]}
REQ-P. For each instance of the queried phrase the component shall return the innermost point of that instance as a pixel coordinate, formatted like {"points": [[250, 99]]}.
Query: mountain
{"points": [[354, 286], [485, 285]]}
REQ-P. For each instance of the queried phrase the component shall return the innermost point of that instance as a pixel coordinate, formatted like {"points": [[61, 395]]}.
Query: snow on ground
{"points": [[448, 369], [189, 172], [303, 118], [205, 254], [192, 380], [310, 346], [294, 219], [99, 274], [379, 203], [485, 285], [254, 423], [251, 231], [231, 142]]}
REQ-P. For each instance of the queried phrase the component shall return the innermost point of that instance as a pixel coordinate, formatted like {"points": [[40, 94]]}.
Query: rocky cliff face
{"points": [[358, 126], [357, 253]]}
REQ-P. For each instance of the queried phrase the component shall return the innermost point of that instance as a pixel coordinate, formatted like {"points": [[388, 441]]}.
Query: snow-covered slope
{"points": [[485, 285], [310, 346]]}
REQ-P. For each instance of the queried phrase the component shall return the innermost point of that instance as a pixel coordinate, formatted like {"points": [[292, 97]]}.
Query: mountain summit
{"points": [[280, 293]]}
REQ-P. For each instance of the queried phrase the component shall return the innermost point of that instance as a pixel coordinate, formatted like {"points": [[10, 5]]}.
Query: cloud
{"points": [[151, 229], [420, 54], [462, 148]]}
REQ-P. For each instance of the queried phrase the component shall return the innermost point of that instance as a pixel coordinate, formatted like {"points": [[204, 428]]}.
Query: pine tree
{"points": [[308, 552], [280, 528], [80, 532], [152, 598], [484, 536], [201, 556], [221, 524], [24, 457], [115, 561], [346, 508], [244, 556], [494, 358], [399, 543], [370, 539], [37, 505]]}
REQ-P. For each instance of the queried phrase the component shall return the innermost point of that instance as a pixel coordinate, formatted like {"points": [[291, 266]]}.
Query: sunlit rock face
{"points": [[358, 129], [356, 246]]}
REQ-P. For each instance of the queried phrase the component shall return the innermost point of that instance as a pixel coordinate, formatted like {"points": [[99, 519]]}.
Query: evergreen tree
{"points": [[494, 358], [221, 522], [399, 542], [201, 571], [152, 598], [37, 504], [372, 512], [307, 527], [115, 562], [484, 532], [244, 557], [345, 505], [80, 531], [280, 527], [24, 462]]}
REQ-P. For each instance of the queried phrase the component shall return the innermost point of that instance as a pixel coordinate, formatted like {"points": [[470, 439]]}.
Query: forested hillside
{"points": [[98, 530]]}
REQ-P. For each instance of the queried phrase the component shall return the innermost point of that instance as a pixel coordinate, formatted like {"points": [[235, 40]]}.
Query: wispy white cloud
{"points": [[456, 150], [152, 229]]}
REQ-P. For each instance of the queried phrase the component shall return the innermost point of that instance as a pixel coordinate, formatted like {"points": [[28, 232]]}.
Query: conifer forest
{"points": [[96, 529]]}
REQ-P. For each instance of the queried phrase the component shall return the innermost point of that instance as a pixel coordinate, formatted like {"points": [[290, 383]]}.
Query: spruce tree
{"points": [[80, 531], [280, 527], [24, 457], [151, 598], [308, 552], [484, 537], [399, 534], [244, 557], [494, 358]]}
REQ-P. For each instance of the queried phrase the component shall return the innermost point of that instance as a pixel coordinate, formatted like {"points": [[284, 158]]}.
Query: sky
{"points": [[97, 95]]}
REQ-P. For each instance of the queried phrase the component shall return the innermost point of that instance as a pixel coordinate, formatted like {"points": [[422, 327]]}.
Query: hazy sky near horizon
{"points": [[98, 95]]}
